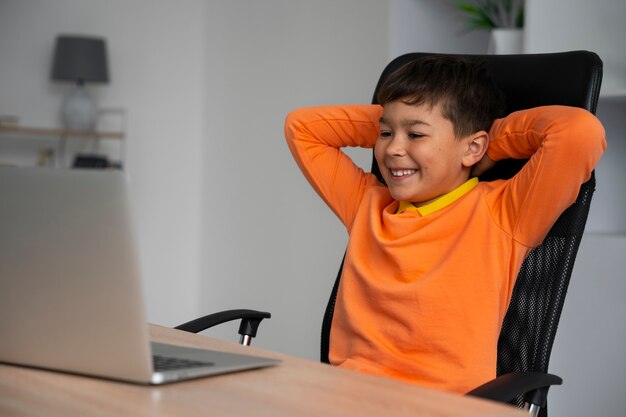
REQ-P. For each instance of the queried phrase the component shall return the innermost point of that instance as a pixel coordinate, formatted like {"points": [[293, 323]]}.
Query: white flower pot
{"points": [[506, 41]]}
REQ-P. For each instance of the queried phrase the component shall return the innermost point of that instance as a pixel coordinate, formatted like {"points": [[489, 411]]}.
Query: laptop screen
{"points": [[70, 287]]}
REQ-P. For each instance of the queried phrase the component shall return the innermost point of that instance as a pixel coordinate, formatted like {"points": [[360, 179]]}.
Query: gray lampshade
{"points": [[80, 59]]}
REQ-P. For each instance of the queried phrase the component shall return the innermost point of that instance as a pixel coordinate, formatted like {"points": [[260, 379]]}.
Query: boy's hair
{"points": [[468, 96]]}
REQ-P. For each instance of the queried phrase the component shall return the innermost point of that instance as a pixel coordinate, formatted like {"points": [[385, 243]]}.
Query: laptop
{"points": [[70, 285]]}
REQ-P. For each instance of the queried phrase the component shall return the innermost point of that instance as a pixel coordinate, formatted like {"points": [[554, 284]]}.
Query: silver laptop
{"points": [[70, 287]]}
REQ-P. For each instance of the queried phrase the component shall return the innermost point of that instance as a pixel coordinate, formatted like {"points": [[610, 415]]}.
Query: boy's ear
{"points": [[477, 144]]}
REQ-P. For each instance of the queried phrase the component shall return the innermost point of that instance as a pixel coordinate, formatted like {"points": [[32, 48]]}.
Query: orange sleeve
{"points": [[564, 145], [315, 136]]}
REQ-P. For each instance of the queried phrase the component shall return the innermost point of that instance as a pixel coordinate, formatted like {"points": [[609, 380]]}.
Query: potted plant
{"points": [[504, 19]]}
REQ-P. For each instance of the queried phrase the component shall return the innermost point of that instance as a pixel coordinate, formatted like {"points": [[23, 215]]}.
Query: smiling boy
{"points": [[433, 254]]}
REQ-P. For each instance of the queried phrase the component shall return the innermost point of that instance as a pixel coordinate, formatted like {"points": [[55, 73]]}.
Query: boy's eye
{"points": [[385, 134], [414, 135]]}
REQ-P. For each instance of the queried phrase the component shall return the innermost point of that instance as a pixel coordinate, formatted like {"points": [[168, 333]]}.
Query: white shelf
{"points": [[61, 148]]}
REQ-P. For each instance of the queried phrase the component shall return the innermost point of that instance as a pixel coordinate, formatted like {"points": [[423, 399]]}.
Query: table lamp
{"points": [[80, 59]]}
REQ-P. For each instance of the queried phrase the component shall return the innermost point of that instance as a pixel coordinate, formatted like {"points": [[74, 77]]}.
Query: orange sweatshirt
{"points": [[422, 297]]}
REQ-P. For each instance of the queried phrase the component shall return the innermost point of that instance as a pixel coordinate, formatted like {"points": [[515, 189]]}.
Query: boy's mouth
{"points": [[402, 172]]}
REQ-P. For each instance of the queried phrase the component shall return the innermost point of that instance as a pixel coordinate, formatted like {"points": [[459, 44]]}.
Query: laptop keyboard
{"points": [[164, 363]]}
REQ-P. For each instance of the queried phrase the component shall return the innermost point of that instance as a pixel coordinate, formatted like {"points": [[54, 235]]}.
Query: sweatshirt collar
{"points": [[441, 202]]}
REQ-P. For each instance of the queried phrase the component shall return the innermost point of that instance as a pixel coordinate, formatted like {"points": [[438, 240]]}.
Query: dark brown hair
{"points": [[463, 87]]}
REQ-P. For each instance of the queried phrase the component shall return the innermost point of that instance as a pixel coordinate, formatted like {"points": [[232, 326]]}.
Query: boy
{"points": [[433, 255]]}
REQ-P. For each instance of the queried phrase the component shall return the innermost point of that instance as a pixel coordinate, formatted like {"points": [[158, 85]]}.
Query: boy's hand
{"points": [[482, 166]]}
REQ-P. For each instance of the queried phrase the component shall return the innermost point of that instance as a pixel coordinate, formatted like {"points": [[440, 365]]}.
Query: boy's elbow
{"points": [[586, 136], [589, 130], [292, 121], [582, 129]]}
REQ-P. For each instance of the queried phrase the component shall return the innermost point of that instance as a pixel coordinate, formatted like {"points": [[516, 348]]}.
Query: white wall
{"points": [[269, 241], [431, 26], [609, 201], [225, 218], [589, 347], [157, 62], [591, 341]]}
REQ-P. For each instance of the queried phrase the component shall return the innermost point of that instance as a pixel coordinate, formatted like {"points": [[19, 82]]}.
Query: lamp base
{"points": [[79, 110]]}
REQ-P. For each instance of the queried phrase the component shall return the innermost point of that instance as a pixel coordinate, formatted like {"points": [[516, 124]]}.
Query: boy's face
{"points": [[418, 154]]}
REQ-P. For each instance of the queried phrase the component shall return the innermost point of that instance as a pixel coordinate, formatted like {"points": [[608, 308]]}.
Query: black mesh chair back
{"points": [[527, 335]]}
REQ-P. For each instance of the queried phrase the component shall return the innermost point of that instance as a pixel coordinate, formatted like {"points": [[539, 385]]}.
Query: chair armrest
{"points": [[509, 386], [250, 320]]}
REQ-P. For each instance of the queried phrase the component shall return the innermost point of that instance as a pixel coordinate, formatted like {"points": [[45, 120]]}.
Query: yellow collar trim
{"points": [[443, 201]]}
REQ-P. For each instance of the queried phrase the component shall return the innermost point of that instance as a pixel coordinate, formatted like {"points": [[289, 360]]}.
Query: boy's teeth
{"points": [[402, 172]]}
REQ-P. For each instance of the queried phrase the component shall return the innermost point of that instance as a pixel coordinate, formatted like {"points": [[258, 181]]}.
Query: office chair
{"points": [[529, 328]]}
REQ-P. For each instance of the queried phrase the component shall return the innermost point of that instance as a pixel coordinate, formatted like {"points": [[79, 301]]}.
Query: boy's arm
{"points": [[315, 136], [564, 145]]}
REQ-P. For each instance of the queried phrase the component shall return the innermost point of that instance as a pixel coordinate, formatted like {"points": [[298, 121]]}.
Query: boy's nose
{"points": [[396, 147]]}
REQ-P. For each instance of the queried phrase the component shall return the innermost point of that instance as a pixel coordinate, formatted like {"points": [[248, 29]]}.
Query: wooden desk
{"points": [[296, 387]]}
